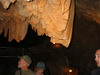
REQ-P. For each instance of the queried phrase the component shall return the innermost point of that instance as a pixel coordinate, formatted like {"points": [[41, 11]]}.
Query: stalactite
{"points": [[54, 18]]}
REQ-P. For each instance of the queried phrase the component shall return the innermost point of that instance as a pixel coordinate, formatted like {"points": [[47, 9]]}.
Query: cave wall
{"points": [[89, 8], [84, 44], [80, 53]]}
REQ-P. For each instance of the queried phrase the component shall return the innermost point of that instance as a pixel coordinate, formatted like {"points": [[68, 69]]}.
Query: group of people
{"points": [[24, 64]]}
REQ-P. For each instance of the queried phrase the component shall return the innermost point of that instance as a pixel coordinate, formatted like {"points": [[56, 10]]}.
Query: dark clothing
{"points": [[24, 72], [96, 71]]}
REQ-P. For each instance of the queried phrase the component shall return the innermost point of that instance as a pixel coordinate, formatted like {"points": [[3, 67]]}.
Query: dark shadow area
{"points": [[31, 40]]}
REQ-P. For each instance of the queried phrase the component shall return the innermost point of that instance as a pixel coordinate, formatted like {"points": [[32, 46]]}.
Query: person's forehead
{"points": [[22, 60], [98, 52]]}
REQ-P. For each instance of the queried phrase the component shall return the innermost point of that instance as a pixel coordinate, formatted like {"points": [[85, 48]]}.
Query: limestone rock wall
{"points": [[89, 8], [53, 18]]}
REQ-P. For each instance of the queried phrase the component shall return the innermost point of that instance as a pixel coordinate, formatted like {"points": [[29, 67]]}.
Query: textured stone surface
{"points": [[47, 17], [54, 18], [89, 8]]}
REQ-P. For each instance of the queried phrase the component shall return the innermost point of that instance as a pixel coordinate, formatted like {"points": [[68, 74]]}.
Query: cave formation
{"points": [[79, 48], [54, 18]]}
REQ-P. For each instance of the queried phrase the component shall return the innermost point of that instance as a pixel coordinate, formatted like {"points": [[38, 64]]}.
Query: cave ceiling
{"points": [[53, 18]]}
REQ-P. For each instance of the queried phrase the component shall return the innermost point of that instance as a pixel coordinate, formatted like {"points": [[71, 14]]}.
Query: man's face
{"points": [[22, 63], [39, 70], [97, 58]]}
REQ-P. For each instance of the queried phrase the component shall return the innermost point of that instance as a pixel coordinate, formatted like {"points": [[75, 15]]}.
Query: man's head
{"points": [[24, 61], [41, 65], [97, 57]]}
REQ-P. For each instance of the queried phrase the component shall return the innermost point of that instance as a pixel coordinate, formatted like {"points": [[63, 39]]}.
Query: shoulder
{"points": [[17, 72], [31, 72], [96, 71]]}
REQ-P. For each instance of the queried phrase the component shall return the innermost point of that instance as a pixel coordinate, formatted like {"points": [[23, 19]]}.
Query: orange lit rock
{"points": [[57, 45]]}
